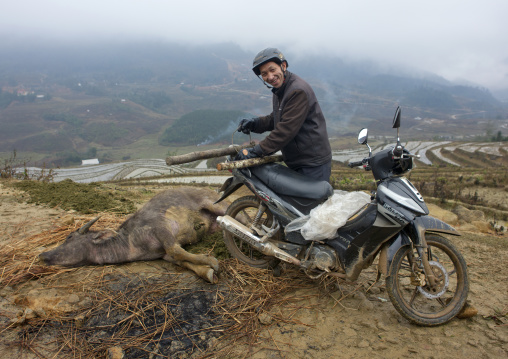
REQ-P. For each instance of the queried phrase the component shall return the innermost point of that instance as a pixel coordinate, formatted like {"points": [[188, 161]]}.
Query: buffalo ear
{"points": [[101, 237], [86, 227]]}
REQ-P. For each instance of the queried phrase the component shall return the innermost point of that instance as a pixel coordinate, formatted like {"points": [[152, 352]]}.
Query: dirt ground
{"points": [[347, 320]]}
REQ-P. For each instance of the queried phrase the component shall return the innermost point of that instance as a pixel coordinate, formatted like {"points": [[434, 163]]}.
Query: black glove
{"points": [[247, 153], [247, 125]]}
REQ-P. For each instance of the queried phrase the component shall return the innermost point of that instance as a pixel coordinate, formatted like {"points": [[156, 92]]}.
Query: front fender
{"points": [[430, 224], [389, 250], [416, 229], [229, 187]]}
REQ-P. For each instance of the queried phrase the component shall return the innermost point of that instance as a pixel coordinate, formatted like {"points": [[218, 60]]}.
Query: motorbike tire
{"points": [[244, 210], [419, 304]]}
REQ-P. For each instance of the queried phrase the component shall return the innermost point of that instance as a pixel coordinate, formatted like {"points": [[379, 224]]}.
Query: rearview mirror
{"points": [[363, 136], [396, 118]]}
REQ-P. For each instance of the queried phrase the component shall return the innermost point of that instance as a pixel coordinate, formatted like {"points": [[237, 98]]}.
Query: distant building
{"points": [[93, 161], [23, 92]]}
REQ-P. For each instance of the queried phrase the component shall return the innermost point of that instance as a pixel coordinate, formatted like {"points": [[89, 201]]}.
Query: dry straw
{"points": [[234, 311], [18, 257]]}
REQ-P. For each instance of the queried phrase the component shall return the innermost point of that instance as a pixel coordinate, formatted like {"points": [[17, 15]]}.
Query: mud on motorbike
{"points": [[426, 276]]}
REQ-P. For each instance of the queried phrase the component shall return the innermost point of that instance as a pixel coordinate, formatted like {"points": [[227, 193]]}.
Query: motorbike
{"points": [[426, 276]]}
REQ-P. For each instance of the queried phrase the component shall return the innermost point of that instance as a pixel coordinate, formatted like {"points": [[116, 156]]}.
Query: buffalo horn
{"points": [[87, 226]]}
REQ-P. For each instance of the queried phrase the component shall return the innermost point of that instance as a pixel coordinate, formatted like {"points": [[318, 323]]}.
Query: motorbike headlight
{"points": [[403, 165]]}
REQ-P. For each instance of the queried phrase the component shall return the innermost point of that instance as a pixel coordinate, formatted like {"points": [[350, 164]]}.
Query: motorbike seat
{"points": [[284, 181]]}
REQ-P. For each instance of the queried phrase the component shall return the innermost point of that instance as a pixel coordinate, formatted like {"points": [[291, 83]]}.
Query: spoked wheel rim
{"points": [[411, 293], [244, 210]]}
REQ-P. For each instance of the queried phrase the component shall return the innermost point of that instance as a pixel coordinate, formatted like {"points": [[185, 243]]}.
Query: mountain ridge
{"points": [[66, 100]]}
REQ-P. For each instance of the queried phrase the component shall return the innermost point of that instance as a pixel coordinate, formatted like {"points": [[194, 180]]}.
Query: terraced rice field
{"points": [[441, 153], [444, 154]]}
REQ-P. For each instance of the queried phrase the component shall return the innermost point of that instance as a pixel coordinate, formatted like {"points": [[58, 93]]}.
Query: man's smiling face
{"points": [[273, 74]]}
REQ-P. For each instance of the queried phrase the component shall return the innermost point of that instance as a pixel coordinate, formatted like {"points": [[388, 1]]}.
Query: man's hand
{"points": [[247, 153], [247, 125]]}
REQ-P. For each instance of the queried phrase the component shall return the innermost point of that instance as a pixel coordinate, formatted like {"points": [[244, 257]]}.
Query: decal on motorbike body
{"points": [[263, 196], [396, 215], [409, 203], [412, 188]]}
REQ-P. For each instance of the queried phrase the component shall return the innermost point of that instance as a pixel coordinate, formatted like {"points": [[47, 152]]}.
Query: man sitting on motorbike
{"points": [[297, 124]]}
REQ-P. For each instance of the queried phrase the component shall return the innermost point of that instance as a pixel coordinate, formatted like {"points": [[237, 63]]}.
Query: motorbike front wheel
{"points": [[244, 210], [410, 293]]}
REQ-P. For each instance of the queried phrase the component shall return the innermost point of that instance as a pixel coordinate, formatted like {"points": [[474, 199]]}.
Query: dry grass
{"points": [[253, 292], [144, 315], [18, 258]]}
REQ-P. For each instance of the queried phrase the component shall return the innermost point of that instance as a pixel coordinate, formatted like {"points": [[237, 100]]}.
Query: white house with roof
{"points": [[93, 161]]}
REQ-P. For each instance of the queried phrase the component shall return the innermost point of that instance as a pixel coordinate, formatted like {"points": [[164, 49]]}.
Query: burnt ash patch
{"points": [[143, 314], [146, 318], [180, 321]]}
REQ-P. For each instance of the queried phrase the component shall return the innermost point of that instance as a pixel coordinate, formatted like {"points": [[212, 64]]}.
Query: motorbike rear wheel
{"points": [[410, 293], [244, 210]]}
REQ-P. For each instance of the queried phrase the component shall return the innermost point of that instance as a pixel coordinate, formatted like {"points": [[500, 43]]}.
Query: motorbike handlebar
{"points": [[355, 164], [413, 156]]}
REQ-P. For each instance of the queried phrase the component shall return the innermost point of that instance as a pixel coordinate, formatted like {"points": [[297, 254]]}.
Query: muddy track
{"points": [[348, 320]]}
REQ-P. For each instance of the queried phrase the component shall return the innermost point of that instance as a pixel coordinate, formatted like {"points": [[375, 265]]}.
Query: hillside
{"points": [[134, 308], [61, 103]]}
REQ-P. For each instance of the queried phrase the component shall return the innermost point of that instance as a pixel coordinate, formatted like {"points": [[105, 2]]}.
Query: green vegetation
{"points": [[213, 243], [8, 168], [103, 133], [6, 98], [84, 198], [430, 98], [46, 142], [67, 158], [499, 137], [63, 117], [153, 100], [200, 127], [83, 85], [16, 168]]}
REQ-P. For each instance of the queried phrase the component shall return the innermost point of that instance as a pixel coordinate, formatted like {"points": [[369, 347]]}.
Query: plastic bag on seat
{"points": [[324, 220]]}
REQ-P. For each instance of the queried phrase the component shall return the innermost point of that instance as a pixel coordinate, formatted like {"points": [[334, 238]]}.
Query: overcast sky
{"points": [[457, 39]]}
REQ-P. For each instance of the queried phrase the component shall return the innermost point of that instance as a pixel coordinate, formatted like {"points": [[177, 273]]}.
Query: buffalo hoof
{"points": [[214, 263], [211, 276], [467, 311]]}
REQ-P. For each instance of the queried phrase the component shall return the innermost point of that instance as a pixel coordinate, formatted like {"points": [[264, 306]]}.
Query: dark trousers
{"points": [[320, 173]]}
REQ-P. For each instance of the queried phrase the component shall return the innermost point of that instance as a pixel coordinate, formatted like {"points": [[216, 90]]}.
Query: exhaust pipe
{"points": [[237, 229]]}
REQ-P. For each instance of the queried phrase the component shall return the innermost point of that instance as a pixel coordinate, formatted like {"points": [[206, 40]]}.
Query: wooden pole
{"points": [[248, 163], [201, 155]]}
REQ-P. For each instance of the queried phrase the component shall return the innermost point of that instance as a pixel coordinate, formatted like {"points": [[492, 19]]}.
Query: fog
{"points": [[459, 40]]}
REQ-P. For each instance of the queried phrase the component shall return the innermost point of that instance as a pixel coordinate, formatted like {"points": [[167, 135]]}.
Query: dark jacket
{"points": [[297, 126]]}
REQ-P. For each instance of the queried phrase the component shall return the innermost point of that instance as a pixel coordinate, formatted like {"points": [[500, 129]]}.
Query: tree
{"points": [[92, 152]]}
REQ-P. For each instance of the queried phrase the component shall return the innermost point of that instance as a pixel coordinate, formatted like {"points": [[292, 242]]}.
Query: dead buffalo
{"points": [[170, 220]]}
